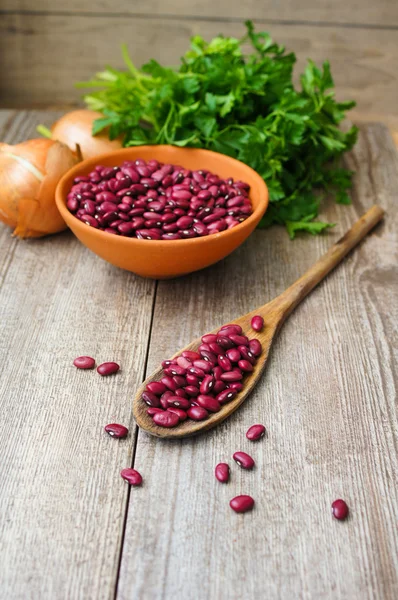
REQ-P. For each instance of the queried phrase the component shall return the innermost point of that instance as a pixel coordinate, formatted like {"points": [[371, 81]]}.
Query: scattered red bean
{"points": [[166, 419], [243, 460], [222, 472], [159, 202], [257, 323], [242, 504], [115, 430], [340, 510], [84, 362], [255, 432], [131, 476], [108, 368]]}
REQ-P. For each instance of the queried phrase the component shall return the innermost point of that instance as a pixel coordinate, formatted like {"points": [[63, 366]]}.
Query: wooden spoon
{"points": [[274, 314]]}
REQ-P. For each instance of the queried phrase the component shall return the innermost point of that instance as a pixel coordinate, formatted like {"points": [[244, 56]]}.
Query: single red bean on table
{"points": [[200, 382], [108, 368], [84, 362], [243, 460], [116, 430], [340, 510], [139, 200], [255, 432], [132, 476], [222, 472], [242, 504]]}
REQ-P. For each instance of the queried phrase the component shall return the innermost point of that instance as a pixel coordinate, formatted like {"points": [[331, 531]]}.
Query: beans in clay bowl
{"points": [[162, 211]]}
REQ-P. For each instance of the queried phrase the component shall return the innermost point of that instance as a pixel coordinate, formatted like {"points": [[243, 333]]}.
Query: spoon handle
{"points": [[284, 304]]}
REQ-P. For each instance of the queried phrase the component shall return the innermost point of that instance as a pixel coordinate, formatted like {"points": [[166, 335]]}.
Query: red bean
{"points": [[108, 368], [180, 381], [176, 370], [216, 348], [192, 391], [243, 460], [340, 510], [197, 413], [232, 327], [84, 362], [193, 379], [169, 383], [198, 372], [178, 402], [233, 354], [255, 347], [257, 323], [181, 414], [208, 402], [191, 355], [242, 504], [150, 399], [219, 386], [226, 395], [166, 419], [209, 338], [156, 387], [222, 472], [231, 376], [132, 477], [152, 411], [89, 220], [245, 366], [246, 354], [217, 372], [207, 384], [255, 432], [183, 362], [115, 430], [181, 393], [225, 342], [239, 340], [224, 362], [209, 356], [235, 385]]}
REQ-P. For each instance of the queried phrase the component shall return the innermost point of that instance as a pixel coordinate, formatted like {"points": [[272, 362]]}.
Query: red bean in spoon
{"points": [[256, 349]]}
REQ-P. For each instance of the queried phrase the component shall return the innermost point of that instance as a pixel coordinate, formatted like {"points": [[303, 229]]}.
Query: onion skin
{"points": [[29, 174], [75, 128]]}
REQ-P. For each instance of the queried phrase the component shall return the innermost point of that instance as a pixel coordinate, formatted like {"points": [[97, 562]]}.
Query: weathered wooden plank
{"points": [[44, 55], [328, 402], [62, 500], [384, 13]]}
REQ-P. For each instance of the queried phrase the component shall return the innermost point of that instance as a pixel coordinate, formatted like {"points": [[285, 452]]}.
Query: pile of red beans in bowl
{"points": [[155, 201], [196, 384]]}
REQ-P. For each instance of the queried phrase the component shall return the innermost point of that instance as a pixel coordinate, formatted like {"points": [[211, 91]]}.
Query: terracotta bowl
{"points": [[166, 258]]}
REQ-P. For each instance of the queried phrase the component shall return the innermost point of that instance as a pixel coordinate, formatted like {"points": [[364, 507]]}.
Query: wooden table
{"points": [[71, 528]]}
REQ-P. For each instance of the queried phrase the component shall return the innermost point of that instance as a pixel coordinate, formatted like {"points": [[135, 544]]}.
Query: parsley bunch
{"points": [[243, 105]]}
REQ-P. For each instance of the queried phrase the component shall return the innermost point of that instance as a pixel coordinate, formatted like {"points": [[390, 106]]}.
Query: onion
{"points": [[75, 128], [29, 173]]}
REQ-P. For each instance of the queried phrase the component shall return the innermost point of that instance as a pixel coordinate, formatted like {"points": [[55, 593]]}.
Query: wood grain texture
{"points": [[62, 500], [44, 55], [382, 13], [328, 400]]}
